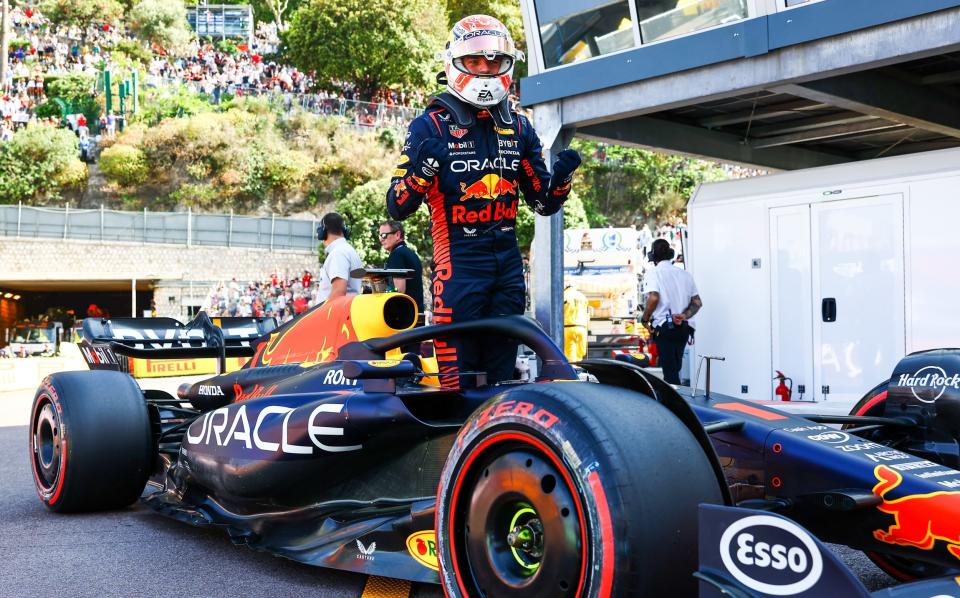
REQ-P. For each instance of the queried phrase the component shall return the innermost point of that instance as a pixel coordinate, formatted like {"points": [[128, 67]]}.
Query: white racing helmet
{"points": [[479, 35]]}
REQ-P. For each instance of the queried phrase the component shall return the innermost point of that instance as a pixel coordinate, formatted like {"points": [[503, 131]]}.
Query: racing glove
{"points": [[567, 161], [431, 153]]}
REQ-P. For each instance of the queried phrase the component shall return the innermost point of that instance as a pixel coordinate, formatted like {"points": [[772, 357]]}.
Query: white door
{"points": [[858, 294], [791, 312]]}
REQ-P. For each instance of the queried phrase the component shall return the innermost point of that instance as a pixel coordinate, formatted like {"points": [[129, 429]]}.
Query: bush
{"points": [[19, 44], [48, 109], [73, 176], [33, 161], [286, 170], [198, 195], [133, 50], [228, 46], [124, 165], [168, 102]]}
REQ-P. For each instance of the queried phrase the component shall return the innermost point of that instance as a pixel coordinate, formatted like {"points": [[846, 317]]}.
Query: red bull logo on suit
{"points": [[492, 212], [489, 186]]}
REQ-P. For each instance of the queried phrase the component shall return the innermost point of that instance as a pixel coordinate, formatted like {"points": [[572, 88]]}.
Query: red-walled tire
{"points": [[572, 489], [91, 447], [900, 568]]}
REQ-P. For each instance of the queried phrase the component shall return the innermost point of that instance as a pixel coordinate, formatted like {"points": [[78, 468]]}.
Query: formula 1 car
{"points": [[334, 446]]}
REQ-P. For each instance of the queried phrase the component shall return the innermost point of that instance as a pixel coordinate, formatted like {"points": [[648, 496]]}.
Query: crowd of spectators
{"points": [[40, 50], [276, 296]]}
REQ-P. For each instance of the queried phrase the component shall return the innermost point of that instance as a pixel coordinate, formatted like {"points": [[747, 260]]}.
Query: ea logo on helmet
{"points": [[771, 555]]}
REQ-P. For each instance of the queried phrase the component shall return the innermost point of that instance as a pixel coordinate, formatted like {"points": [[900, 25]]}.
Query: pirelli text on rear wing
{"points": [[104, 339]]}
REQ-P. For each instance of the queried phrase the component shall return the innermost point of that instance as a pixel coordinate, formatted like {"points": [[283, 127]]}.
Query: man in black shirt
{"points": [[403, 258]]}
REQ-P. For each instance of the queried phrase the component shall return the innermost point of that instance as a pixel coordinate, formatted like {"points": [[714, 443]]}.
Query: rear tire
{"points": [[91, 446], [572, 489]]}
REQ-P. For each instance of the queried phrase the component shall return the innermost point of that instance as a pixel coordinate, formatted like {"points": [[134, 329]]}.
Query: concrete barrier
{"points": [[26, 373]]}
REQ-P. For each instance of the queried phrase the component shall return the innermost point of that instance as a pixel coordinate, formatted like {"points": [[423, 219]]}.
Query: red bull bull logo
{"points": [[490, 186], [314, 337], [492, 212], [920, 519]]}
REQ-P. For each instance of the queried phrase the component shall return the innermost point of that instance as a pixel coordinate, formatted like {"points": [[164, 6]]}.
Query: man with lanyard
{"points": [[402, 258], [672, 302], [469, 157], [340, 261]]}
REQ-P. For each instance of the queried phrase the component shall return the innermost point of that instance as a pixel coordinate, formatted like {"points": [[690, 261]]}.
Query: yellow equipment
{"points": [[576, 318]]}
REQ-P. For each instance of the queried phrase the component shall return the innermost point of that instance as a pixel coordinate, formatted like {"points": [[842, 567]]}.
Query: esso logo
{"points": [[830, 437], [771, 555]]}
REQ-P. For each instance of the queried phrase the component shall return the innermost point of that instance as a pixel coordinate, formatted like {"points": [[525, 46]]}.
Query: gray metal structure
{"points": [[780, 84], [170, 228], [221, 21]]}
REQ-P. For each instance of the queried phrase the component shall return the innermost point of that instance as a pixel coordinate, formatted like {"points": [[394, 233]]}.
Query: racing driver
{"points": [[469, 157]]}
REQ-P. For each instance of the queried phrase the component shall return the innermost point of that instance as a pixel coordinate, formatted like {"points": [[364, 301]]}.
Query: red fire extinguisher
{"points": [[782, 391], [654, 354]]}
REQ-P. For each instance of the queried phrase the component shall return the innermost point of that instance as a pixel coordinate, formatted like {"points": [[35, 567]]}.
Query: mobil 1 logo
{"points": [[770, 555]]}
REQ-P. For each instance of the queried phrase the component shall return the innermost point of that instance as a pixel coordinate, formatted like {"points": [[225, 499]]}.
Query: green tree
{"points": [[624, 186], [383, 44], [81, 12], [162, 22], [72, 87], [364, 208]]}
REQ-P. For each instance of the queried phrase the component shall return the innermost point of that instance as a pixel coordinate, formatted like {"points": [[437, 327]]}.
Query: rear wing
{"points": [[103, 339]]}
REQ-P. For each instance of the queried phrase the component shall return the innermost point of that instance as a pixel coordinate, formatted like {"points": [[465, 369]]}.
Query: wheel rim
{"points": [[521, 530], [47, 444]]}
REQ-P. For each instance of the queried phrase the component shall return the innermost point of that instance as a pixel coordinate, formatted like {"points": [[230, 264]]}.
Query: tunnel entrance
{"points": [[66, 301]]}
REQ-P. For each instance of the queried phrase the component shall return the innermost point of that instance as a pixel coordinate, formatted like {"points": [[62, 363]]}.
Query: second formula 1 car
{"points": [[334, 446]]}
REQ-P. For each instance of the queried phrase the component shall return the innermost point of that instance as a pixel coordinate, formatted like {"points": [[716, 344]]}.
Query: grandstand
{"points": [[221, 21]]}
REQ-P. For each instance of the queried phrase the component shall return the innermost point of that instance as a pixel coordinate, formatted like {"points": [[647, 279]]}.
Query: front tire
{"points": [[572, 489], [91, 445]]}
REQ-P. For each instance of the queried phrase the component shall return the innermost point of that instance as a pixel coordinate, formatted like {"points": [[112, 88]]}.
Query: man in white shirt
{"points": [[672, 302], [341, 260]]}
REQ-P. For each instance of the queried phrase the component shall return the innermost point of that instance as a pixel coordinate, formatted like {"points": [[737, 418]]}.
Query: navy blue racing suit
{"points": [[477, 268]]}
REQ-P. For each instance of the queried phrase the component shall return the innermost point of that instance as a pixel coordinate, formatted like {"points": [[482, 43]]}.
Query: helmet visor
{"points": [[487, 42], [484, 64]]}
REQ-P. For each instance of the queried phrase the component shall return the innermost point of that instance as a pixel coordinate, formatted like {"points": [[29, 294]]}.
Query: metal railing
{"points": [[354, 112], [169, 228], [363, 114]]}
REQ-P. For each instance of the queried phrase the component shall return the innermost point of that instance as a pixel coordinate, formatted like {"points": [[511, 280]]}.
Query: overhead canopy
{"points": [[823, 83]]}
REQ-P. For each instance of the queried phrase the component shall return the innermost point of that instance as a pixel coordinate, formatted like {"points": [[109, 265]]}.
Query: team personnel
{"points": [[341, 260], [393, 239], [672, 302], [469, 157]]}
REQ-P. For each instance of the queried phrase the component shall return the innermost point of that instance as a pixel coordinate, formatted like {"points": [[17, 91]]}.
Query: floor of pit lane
{"points": [[135, 552]]}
